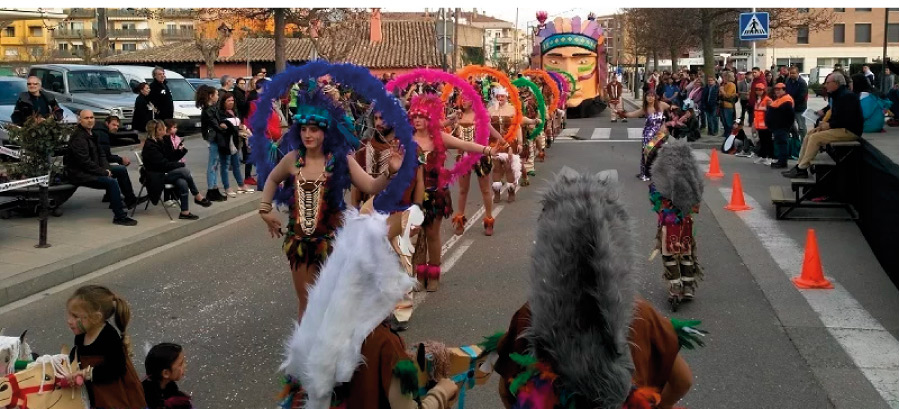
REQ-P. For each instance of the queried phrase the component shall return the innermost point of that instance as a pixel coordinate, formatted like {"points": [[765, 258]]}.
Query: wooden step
{"points": [[798, 183], [779, 195], [823, 160]]}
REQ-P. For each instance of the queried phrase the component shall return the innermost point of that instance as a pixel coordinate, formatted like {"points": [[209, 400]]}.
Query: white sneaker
{"points": [[759, 161], [742, 155], [752, 155], [171, 203]]}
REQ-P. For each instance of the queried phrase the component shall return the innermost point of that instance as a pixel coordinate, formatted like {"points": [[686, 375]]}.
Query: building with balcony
{"points": [[856, 35], [25, 40]]}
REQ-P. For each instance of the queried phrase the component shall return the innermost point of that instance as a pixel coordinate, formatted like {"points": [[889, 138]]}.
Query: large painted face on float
{"points": [[574, 49]]}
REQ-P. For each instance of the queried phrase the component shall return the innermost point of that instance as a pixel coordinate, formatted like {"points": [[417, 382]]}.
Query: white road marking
{"points": [[569, 132], [450, 261], [600, 133], [872, 348], [635, 133]]}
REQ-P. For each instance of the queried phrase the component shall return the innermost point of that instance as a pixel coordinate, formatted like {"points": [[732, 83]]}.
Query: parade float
{"points": [[575, 49]]}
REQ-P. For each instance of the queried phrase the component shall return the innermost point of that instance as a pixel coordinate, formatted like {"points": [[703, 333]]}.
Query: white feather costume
{"points": [[358, 287]]}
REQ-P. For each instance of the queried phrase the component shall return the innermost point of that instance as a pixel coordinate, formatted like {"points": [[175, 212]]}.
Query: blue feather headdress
{"points": [[340, 135]]}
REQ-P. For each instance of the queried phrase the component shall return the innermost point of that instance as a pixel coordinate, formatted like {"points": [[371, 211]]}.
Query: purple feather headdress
{"points": [[265, 155]]}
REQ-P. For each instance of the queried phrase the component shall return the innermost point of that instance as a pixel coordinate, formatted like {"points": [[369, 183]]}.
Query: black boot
{"points": [[796, 172]]}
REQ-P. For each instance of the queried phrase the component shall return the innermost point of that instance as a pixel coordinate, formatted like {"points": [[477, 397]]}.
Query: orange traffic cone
{"points": [[811, 275], [714, 171], [737, 195]]}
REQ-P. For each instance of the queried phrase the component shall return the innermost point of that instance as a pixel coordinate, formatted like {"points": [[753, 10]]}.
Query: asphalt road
{"points": [[226, 296]]}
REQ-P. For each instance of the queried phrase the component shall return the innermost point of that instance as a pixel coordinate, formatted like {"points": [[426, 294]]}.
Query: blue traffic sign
{"points": [[754, 26]]}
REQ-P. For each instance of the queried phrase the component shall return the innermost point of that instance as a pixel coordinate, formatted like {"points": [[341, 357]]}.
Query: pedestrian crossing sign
{"points": [[754, 26]]}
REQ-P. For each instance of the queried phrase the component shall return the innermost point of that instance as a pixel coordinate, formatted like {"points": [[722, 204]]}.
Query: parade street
{"points": [[225, 294]]}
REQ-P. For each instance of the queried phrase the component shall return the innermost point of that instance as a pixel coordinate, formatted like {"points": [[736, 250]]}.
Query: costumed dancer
{"points": [[375, 156], [532, 125], [550, 92], [358, 288], [317, 168], [426, 113], [508, 169], [585, 339], [676, 192], [654, 132], [465, 130]]}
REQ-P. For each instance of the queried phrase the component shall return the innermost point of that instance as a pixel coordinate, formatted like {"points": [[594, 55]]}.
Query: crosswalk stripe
{"points": [[601, 133], [635, 133], [570, 132]]}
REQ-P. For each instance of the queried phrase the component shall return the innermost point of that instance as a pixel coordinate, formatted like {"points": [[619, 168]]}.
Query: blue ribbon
{"points": [[467, 378]]}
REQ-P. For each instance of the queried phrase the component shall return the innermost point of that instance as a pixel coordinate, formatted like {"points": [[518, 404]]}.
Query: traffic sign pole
{"points": [[753, 51]]}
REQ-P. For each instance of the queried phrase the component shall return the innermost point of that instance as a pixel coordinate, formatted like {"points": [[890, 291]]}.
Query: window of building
{"points": [[35, 31], [894, 9], [790, 62], [839, 33], [863, 9], [129, 47], [863, 33], [803, 10], [170, 27], [839, 10], [129, 26], [78, 47], [803, 35], [10, 32], [62, 46], [36, 51], [186, 27], [12, 52], [892, 32]]}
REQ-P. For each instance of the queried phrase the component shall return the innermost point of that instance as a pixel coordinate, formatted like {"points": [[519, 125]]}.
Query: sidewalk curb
{"points": [[42, 278]]}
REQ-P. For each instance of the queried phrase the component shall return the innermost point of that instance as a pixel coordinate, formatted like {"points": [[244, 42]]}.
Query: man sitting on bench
{"points": [[844, 122]]}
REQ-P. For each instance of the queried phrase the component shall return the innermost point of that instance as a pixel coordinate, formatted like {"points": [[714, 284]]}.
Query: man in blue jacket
{"points": [[709, 103], [845, 124]]}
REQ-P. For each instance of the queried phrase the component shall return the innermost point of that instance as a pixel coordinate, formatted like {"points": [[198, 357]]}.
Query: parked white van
{"points": [[186, 113]]}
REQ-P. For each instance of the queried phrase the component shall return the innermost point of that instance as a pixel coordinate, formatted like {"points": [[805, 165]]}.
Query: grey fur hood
{"points": [[582, 294], [676, 175]]}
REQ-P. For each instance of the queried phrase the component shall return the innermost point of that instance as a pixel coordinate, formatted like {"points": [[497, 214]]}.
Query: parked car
{"points": [[186, 112], [10, 88], [197, 82], [100, 89]]}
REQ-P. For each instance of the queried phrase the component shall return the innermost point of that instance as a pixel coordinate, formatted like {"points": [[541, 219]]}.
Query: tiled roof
{"points": [[404, 44]]}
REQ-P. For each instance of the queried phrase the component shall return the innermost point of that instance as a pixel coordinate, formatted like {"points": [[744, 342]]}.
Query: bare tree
{"points": [[209, 47]]}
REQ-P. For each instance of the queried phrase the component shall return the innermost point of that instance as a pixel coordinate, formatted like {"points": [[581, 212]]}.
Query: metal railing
{"points": [[66, 33], [129, 33], [177, 34]]}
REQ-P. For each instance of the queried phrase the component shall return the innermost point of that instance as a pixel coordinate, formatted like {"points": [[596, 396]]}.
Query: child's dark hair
{"points": [[96, 298], [161, 357], [170, 123]]}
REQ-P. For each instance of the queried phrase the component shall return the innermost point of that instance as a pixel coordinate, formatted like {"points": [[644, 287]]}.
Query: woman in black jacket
{"points": [[232, 137], [207, 100], [143, 110], [160, 157]]}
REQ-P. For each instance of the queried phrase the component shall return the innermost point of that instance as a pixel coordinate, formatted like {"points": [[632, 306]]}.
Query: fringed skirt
{"points": [[437, 204], [307, 250]]}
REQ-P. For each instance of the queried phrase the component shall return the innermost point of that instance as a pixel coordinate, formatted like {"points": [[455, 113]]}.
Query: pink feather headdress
{"points": [[482, 118]]}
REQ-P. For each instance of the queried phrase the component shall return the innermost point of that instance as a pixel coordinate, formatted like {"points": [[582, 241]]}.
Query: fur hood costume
{"points": [[584, 338], [675, 193]]}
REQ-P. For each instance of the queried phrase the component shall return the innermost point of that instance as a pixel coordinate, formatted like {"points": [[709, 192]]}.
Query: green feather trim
{"points": [[689, 336], [408, 375], [527, 362], [491, 342], [539, 97]]}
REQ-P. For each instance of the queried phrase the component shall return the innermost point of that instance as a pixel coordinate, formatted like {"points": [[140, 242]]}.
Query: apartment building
{"points": [[855, 36], [25, 33]]}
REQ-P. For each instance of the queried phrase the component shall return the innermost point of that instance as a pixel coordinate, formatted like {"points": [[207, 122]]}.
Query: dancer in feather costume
{"points": [[584, 339], [343, 353]]}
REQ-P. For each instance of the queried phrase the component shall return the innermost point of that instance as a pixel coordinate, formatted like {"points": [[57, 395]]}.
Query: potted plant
{"points": [[41, 143]]}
